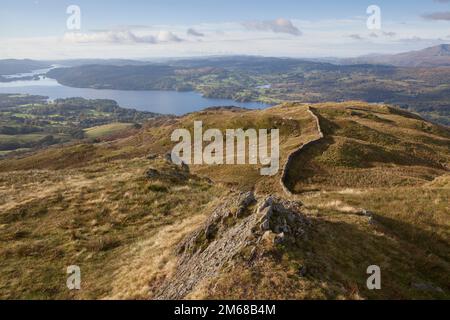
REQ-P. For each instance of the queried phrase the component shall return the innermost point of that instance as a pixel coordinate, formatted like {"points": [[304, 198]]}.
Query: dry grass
{"points": [[407, 237], [358, 151], [92, 218], [92, 205]]}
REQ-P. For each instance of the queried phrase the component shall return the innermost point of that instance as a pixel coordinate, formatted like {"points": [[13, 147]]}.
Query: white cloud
{"points": [[195, 33], [389, 34], [107, 37], [279, 25], [424, 41], [356, 37], [141, 42], [167, 36], [119, 37]]}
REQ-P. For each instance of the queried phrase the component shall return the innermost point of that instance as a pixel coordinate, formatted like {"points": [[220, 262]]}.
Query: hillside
{"points": [[373, 188], [276, 80], [31, 122], [14, 66], [436, 56]]}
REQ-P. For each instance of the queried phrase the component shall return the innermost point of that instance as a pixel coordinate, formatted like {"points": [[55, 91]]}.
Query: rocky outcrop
{"points": [[242, 223], [294, 154]]}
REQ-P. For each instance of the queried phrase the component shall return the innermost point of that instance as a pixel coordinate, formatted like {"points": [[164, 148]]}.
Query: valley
{"points": [[30, 122], [424, 90], [220, 159]]}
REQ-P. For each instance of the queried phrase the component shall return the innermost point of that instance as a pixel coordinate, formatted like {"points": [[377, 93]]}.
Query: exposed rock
{"points": [[168, 157], [153, 173], [302, 271], [151, 156], [279, 238], [210, 231], [265, 225], [268, 237], [185, 167], [234, 227], [172, 172], [249, 199], [366, 213]]}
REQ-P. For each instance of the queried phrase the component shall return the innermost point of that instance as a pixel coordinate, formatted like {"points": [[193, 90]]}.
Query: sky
{"points": [[138, 29]]}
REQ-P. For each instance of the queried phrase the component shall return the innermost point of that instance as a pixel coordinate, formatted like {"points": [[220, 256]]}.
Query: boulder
{"points": [[153, 173]]}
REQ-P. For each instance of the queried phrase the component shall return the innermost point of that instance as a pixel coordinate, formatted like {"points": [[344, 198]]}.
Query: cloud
{"points": [[119, 37], [422, 41], [195, 33], [437, 16], [279, 25], [389, 34], [442, 1], [167, 36], [412, 39], [356, 37]]}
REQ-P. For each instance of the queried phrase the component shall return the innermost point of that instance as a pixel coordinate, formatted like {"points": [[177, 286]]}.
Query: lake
{"points": [[166, 102]]}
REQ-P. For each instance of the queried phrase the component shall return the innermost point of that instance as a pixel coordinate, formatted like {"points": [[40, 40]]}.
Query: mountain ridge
{"points": [[373, 190], [437, 56]]}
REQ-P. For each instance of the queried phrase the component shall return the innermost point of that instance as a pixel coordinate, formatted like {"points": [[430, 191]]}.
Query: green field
{"points": [[107, 130], [21, 138], [30, 122]]}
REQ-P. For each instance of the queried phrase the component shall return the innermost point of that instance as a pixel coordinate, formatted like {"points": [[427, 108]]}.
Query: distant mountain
{"points": [[13, 66], [81, 62], [274, 80], [430, 57]]}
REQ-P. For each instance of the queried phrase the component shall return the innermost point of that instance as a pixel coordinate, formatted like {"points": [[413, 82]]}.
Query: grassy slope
{"points": [[91, 205], [107, 130], [92, 217], [370, 146], [393, 164]]}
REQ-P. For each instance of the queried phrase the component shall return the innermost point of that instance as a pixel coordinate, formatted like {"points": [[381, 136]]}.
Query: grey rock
{"points": [[291, 217], [279, 238], [265, 225], [209, 231], [153, 173], [168, 157], [226, 239], [302, 271], [185, 167], [366, 213], [249, 198], [152, 156]]}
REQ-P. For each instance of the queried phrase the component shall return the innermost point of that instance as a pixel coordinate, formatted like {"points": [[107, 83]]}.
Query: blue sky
{"points": [[138, 28]]}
